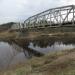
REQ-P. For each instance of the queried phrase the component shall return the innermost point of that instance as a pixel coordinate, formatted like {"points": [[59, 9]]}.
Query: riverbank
{"points": [[54, 63], [32, 35]]}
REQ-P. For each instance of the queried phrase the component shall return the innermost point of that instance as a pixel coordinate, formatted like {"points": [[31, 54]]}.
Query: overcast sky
{"points": [[19, 10]]}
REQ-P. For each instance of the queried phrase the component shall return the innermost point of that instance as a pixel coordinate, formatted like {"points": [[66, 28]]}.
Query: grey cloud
{"points": [[19, 10]]}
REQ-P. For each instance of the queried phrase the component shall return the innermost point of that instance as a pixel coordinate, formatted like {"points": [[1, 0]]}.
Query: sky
{"points": [[20, 10]]}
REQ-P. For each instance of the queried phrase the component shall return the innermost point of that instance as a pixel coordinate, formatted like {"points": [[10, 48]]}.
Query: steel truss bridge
{"points": [[55, 17]]}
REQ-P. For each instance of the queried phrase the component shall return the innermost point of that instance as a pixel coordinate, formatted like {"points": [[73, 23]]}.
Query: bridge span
{"points": [[55, 17], [52, 17]]}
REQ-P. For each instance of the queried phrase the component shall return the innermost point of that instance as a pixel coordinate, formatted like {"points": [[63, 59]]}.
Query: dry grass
{"points": [[56, 63], [7, 35]]}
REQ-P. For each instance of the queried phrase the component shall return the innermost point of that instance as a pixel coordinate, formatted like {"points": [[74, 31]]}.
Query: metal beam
{"points": [[67, 15]]}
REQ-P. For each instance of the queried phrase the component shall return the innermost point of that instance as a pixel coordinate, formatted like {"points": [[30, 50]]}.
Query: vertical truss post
{"points": [[28, 24], [35, 20], [60, 15], [67, 16], [43, 20], [50, 19], [57, 16], [73, 15]]}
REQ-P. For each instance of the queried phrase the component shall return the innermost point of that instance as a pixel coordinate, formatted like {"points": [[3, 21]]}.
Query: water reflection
{"points": [[54, 47], [11, 53], [18, 51], [45, 44]]}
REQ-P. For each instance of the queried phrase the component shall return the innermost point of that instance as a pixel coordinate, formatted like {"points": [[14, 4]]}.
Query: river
{"points": [[12, 53]]}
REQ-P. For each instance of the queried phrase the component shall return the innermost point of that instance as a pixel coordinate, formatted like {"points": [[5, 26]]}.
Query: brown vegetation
{"points": [[54, 63]]}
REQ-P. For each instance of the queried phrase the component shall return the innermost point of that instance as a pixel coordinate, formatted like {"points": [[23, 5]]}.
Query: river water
{"points": [[12, 53]]}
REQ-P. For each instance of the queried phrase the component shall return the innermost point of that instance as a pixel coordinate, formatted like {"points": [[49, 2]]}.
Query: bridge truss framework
{"points": [[54, 17]]}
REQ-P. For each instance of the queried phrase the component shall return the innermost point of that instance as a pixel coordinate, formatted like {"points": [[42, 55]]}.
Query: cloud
{"points": [[19, 10]]}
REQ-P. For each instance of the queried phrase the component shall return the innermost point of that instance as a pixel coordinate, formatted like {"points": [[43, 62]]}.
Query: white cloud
{"points": [[16, 10]]}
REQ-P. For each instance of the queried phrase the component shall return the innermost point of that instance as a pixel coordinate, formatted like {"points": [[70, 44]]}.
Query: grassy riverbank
{"points": [[7, 35], [32, 35], [55, 63]]}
